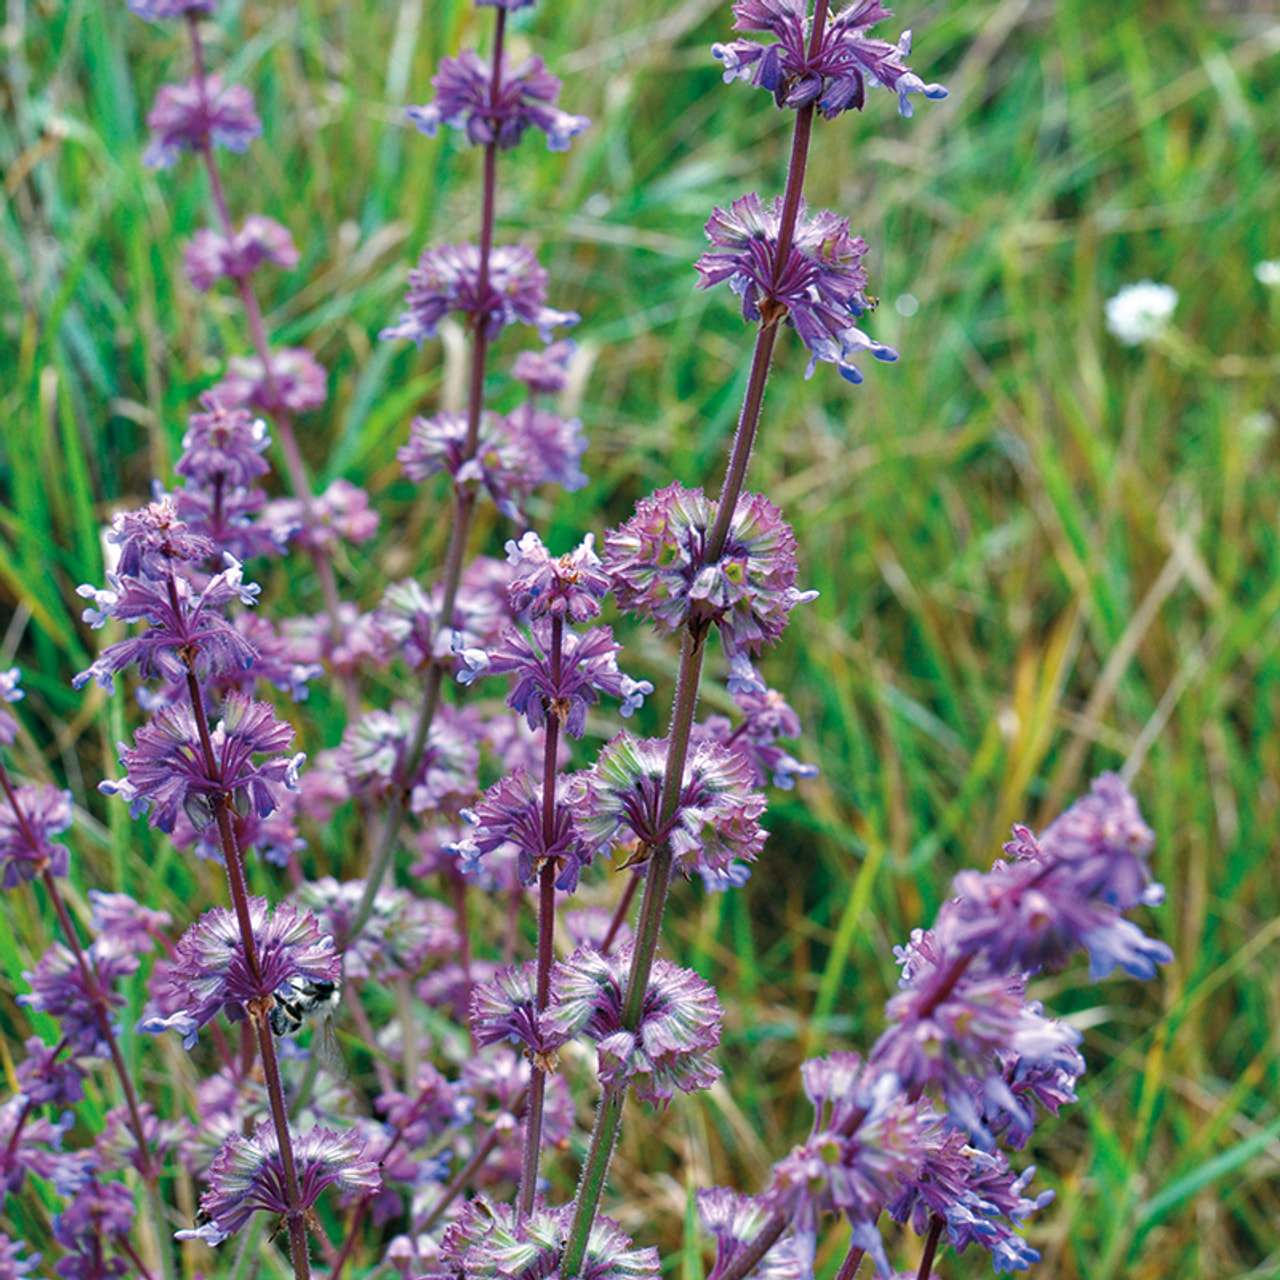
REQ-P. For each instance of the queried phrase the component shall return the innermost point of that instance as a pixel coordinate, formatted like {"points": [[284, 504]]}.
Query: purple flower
{"points": [[974, 1192], [863, 1143], [196, 115], [820, 288], [545, 371], [950, 1023], [735, 1220], [510, 460], [767, 716], [489, 1240], [342, 511], [298, 382], [658, 564], [223, 446], [402, 930], [211, 257], [210, 973], [448, 279], [716, 818], [526, 97], [506, 1009], [509, 816], [248, 1175], [1065, 891], [186, 630], [61, 988], [12, 1265], [9, 692], [97, 1214], [410, 618], [564, 682], [48, 1079], [26, 844], [837, 74], [25, 1142], [679, 1022], [118, 917], [155, 10], [167, 767]]}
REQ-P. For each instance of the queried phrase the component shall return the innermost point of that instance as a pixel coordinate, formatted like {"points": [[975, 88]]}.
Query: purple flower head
{"points": [[341, 512], [716, 819], [679, 1022], [298, 382], [186, 630], [563, 681], [26, 844], [409, 617], [767, 716], [210, 973], [506, 1009], [211, 257], [974, 1192], [820, 288], [949, 1027], [167, 767], [735, 1220], [9, 692], [197, 115], [47, 1078], [1065, 891], [29, 1143], [526, 97], [402, 930], [509, 817], [223, 447], [488, 1241], [837, 74], [545, 371], [511, 459], [156, 10], [248, 1175], [658, 564], [62, 989], [118, 917], [96, 1214], [448, 279], [153, 541], [863, 1142]]}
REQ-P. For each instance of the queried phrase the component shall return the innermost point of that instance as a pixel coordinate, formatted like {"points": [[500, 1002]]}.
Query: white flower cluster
{"points": [[1140, 312]]}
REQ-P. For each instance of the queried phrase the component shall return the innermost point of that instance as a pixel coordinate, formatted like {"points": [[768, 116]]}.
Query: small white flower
{"points": [[1268, 273], [1140, 312]]}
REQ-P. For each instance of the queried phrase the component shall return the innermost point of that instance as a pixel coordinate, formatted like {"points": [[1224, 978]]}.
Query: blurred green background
{"points": [[1040, 553]]}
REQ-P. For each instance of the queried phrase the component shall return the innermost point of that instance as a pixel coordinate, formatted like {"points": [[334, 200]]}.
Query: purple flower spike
{"points": [[509, 816], [506, 1009], [211, 257], [26, 844], [448, 279], [586, 667], [210, 975], [13, 1266], [167, 768], [97, 1214], [767, 716], [836, 77], [659, 568], [58, 988], [568, 586], [526, 97], [820, 288], [248, 1175], [716, 820], [300, 382], [679, 1022], [196, 115]]}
